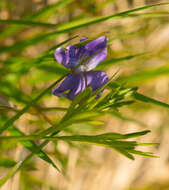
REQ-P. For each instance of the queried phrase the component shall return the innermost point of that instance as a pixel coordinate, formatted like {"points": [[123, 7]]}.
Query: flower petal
{"points": [[96, 79], [83, 38], [81, 51], [61, 56], [73, 58], [74, 55], [73, 83], [79, 86], [95, 60], [96, 45], [92, 54]]}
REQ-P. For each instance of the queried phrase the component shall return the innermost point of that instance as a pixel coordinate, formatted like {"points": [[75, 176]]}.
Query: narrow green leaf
{"points": [[147, 99], [49, 10], [42, 14], [24, 65], [22, 163], [108, 63], [152, 14], [123, 103], [27, 22], [105, 136], [108, 140], [145, 154], [4, 179], [147, 144], [30, 145], [86, 115], [23, 44], [53, 109], [137, 134], [118, 15], [6, 162], [125, 153]]}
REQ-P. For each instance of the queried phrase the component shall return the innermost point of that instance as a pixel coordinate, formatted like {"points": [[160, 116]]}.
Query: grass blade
{"points": [[26, 22], [23, 44], [4, 179], [111, 62], [49, 10], [147, 99], [145, 154], [81, 138], [42, 14], [22, 163], [30, 145], [137, 134], [6, 162]]}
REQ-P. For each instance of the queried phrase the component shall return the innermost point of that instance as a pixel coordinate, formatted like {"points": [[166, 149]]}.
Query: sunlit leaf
{"points": [[147, 99]]}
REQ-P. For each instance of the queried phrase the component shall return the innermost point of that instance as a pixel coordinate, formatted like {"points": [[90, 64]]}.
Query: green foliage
{"points": [[111, 140], [9, 175], [6, 162], [24, 92], [47, 36], [143, 98]]}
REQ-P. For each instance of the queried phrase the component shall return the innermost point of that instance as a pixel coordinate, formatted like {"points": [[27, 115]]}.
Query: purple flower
{"points": [[81, 60]]}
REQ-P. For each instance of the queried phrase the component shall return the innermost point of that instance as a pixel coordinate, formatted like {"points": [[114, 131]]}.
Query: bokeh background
{"points": [[139, 43]]}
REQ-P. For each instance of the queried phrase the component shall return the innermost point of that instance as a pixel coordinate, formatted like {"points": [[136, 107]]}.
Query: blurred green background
{"points": [[139, 47]]}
